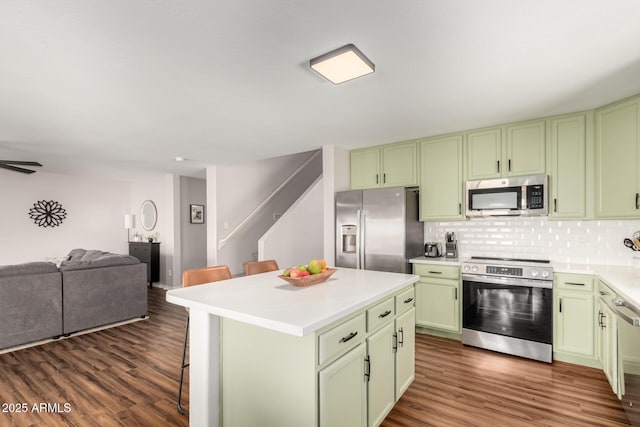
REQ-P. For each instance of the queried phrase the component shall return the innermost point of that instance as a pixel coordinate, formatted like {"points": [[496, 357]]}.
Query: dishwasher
{"points": [[629, 357]]}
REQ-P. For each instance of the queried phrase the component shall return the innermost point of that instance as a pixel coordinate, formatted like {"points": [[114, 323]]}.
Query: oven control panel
{"points": [[516, 269]]}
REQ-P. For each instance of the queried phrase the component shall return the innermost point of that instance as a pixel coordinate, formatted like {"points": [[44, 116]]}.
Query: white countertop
{"points": [[267, 301], [623, 280]]}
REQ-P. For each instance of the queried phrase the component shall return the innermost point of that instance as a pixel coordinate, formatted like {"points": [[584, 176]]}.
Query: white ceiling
{"points": [[114, 86]]}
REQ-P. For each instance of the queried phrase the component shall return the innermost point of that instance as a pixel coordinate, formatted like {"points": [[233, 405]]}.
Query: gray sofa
{"points": [[89, 289], [30, 303]]}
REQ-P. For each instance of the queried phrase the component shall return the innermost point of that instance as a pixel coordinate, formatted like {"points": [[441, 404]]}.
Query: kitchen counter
{"points": [[438, 260], [267, 301], [623, 280], [278, 316]]}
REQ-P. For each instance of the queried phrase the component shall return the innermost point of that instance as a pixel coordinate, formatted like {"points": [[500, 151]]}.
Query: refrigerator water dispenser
{"points": [[349, 238]]}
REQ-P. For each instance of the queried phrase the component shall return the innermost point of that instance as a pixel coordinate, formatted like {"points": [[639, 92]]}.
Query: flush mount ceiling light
{"points": [[343, 64]]}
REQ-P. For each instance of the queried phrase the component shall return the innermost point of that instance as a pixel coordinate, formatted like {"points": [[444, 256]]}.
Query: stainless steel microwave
{"points": [[521, 195]]}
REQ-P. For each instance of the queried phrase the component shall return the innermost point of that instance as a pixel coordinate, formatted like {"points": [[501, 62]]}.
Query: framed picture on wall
{"points": [[197, 214]]}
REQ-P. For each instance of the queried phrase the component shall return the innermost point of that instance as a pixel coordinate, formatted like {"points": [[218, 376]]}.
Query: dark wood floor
{"points": [[465, 386], [122, 376], [128, 376]]}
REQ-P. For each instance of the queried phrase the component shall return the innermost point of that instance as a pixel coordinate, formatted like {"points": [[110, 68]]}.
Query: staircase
{"points": [[240, 244]]}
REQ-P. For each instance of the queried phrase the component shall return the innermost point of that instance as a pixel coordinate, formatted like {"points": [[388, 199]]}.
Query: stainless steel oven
{"points": [[508, 306], [629, 356]]}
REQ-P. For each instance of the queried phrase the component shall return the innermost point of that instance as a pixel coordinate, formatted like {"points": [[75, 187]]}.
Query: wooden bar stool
{"points": [[194, 277], [257, 267]]}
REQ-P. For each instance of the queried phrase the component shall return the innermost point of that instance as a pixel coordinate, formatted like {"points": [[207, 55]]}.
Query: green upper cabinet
{"points": [[393, 165], [617, 157], [512, 150], [525, 149], [566, 146], [484, 154], [365, 168], [441, 178]]}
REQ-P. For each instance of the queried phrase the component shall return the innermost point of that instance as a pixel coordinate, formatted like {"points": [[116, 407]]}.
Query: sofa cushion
{"points": [[80, 259], [27, 268]]}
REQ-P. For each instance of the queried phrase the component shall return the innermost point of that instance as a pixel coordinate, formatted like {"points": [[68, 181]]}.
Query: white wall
{"points": [[193, 237], [160, 189], [336, 175], [298, 236], [95, 215], [598, 242]]}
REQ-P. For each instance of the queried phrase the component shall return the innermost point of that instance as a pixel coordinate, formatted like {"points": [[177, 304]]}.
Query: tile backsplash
{"points": [[581, 242]]}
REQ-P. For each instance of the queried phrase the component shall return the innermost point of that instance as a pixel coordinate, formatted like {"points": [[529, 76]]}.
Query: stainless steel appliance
{"points": [[432, 250], [451, 246], [522, 195], [508, 306], [629, 359], [378, 229]]}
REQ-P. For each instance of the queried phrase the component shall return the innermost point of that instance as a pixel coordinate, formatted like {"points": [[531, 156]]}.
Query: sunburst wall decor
{"points": [[47, 213]]}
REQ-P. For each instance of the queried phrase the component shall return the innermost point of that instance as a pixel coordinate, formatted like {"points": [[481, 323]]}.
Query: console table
{"points": [[149, 253]]}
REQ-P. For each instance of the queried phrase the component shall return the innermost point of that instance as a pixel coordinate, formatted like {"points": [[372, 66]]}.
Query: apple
{"points": [[294, 273], [302, 267], [286, 272], [314, 267], [305, 273]]}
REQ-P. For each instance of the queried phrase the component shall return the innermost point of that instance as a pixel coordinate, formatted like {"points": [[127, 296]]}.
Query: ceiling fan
{"points": [[11, 165]]}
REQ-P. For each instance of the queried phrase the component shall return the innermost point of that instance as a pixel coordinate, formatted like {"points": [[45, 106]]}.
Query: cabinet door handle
{"points": [[401, 341], [509, 165], [498, 165], [385, 314], [637, 196], [574, 283], [408, 300], [395, 341], [455, 294], [435, 272], [348, 337], [367, 368], [600, 319], [560, 301], [459, 208], [377, 175], [384, 178], [555, 205], [604, 317]]}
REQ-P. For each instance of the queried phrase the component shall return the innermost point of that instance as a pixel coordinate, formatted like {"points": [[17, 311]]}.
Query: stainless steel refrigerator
{"points": [[378, 229]]}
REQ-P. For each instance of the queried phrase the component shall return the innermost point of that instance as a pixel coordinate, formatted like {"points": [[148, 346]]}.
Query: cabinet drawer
{"points": [[434, 270], [142, 252], [405, 300], [574, 282], [380, 313], [341, 338]]}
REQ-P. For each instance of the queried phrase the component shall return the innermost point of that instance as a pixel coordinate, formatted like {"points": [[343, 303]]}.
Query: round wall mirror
{"points": [[148, 215]]}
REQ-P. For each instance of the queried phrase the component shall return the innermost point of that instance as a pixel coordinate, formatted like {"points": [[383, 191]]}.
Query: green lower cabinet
{"points": [[405, 351], [607, 324], [438, 304], [574, 323], [573, 319], [380, 374], [343, 393]]}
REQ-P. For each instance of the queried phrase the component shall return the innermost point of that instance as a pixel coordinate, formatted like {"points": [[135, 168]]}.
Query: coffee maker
{"points": [[451, 245]]}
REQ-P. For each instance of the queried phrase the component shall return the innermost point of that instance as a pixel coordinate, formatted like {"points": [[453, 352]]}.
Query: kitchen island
{"points": [[264, 352]]}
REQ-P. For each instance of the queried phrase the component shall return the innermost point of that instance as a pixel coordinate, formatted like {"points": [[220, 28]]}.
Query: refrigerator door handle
{"points": [[358, 242], [363, 230]]}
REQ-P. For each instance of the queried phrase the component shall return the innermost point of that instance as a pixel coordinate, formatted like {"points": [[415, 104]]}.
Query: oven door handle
{"points": [[507, 281]]}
